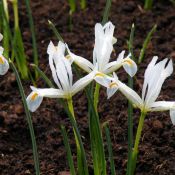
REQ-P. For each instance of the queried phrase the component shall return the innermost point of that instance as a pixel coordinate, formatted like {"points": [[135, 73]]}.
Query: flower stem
{"points": [[96, 96], [137, 140], [79, 152]]}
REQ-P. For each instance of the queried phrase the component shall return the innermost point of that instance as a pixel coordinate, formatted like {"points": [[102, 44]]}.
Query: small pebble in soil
{"points": [[18, 109], [157, 124], [3, 115]]}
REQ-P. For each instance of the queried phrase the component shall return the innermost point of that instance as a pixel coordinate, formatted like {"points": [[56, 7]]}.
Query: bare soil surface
{"points": [[157, 147]]}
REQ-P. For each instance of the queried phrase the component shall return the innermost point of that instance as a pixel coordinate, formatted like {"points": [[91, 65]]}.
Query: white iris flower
{"points": [[154, 77], [4, 65], [104, 41], [63, 77]]}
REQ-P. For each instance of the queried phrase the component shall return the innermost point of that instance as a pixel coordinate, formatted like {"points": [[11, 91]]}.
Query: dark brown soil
{"points": [[157, 148]]}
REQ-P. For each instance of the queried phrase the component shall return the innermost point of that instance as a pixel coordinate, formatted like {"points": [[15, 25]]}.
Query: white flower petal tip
{"points": [[4, 65], [113, 87], [114, 40], [1, 36], [51, 48], [34, 100], [172, 116], [130, 66]]}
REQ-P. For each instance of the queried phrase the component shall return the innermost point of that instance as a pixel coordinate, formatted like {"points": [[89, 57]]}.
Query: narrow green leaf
{"points": [[29, 119], [32, 29], [130, 107], [5, 25], [18, 46], [68, 150], [148, 4], [52, 26], [43, 75], [109, 144], [83, 156], [83, 4], [72, 5], [146, 42], [106, 11]]}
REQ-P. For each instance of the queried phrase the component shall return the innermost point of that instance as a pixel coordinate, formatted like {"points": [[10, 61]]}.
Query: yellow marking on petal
{"points": [[68, 57], [128, 61], [100, 74], [113, 84], [1, 60], [34, 96]]}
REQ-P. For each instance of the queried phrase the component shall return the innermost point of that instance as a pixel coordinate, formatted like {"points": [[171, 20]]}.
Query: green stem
{"points": [[16, 17], [96, 96], [70, 106], [32, 29], [79, 153], [137, 140], [130, 107], [29, 119]]}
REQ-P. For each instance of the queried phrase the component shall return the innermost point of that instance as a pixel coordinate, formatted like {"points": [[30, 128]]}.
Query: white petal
{"points": [[102, 79], [162, 106], [111, 91], [61, 47], [82, 83], [80, 61], [120, 56], [103, 45], [1, 36], [147, 75], [156, 78], [51, 49], [172, 116], [34, 100], [115, 65], [130, 66], [1, 50], [48, 92], [53, 69], [64, 73], [4, 65], [109, 30], [130, 94], [114, 40]]}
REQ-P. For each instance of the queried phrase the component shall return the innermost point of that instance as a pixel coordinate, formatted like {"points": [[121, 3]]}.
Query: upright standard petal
{"points": [[156, 78], [52, 64], [103, 44], [4, 65], [64, 74]]}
